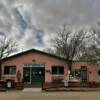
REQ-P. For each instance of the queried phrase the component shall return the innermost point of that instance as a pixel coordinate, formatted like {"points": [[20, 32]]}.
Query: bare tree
{"points": [[7, 46], [92, 50], [91, 53], [69, 44], [95, 47], [50, 51]]}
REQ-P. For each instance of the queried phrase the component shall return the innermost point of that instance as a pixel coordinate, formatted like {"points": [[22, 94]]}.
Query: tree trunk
{"points": [[69, 69], [69, 65]]}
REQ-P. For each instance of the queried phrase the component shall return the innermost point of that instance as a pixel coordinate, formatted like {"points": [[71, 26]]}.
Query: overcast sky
{"points": [[32, 22]]}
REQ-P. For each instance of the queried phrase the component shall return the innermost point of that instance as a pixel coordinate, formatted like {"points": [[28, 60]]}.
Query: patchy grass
{"points": [[19, 95]]}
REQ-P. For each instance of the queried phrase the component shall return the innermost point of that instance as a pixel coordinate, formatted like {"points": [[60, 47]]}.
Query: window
{"points": [[99, 72], [77, 72], [10, 70], [57, 70]]}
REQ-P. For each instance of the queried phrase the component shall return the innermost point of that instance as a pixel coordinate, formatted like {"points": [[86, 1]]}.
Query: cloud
{"points": [[72, 12], [32, 22]]}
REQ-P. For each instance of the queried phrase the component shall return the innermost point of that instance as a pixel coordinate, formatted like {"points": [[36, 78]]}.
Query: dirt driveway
{"points": [[19, 95]]}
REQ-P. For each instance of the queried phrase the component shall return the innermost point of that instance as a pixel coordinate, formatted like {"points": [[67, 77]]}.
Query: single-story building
{"points": [[34, 67]]}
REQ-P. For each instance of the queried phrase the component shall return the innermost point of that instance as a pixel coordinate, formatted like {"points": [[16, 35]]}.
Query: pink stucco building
{"points": [[36, 67]]}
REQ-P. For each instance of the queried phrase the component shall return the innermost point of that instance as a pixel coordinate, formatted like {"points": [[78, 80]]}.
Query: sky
{"points": [[33, 22]]}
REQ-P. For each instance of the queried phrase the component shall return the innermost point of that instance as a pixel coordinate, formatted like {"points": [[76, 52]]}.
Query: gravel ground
{"points": [[19, 95]]}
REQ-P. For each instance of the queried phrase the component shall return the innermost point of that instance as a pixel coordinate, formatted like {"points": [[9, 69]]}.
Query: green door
{"points": [[37, 75], [26, 74]]}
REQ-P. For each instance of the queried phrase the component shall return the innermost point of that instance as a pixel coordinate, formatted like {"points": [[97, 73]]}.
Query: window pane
{"points": [[98, 72], [57, 70], [61, 70], [54, 70], [77, 72], [6, 70], [10, 70]]}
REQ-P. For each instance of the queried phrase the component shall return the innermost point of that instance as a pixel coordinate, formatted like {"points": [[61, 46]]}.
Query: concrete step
{"points": [[32, 90], [32, 85]]}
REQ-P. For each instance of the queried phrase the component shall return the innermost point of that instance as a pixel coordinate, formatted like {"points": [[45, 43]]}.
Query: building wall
{"points": [[91, 68], [35, 58], [98, 63], [49, 62]]}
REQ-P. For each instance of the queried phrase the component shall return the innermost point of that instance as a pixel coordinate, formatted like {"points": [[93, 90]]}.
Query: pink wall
{"points": [[39, 58], [91, 67], [48, 61]]}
